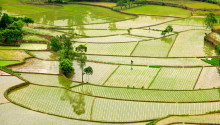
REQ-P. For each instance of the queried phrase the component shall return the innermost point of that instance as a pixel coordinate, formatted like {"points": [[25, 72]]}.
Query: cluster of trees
{"points": [[210, 1], [63, 46], [126, 3], [11, 28], [168, 29]]}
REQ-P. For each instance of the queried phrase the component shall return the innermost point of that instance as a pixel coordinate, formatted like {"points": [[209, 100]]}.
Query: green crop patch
{"points": [[13, 55], [6, 62], [28, 46], [159, 10], [212, 60]]}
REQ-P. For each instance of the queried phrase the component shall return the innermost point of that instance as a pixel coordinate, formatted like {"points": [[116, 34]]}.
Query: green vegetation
{"points": [[28, 46], [168, 29], [159, 10], [33, 38], [210, 21], [6, 63], [212, 60], [202, 5], [81, 58], [13, 55]]}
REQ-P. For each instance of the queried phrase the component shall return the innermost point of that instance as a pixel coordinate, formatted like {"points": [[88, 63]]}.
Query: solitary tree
{"points": [[210, 21], [81, 57], [88, 71], [169, 29]]}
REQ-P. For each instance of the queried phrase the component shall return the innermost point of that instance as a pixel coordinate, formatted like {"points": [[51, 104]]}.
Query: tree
{"points": [[120, 3], [169, 28], [67, 51], [28, 20], [66, 66], [5, 21], [164, 32], [55, 44], [210, 21], [81, 57], [88, 71], [17, 25]]}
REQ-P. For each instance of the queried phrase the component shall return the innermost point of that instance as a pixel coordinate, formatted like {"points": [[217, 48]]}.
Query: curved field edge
{"points": [[208, 118], [123, 94], [7, 92], [60, 102]]}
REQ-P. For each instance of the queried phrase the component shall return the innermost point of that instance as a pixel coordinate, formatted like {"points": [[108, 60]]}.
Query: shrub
{"points": [[66, 66], [55, 44]]}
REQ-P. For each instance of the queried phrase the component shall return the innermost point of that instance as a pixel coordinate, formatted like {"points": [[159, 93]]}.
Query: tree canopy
{"points": [[210, 21]]}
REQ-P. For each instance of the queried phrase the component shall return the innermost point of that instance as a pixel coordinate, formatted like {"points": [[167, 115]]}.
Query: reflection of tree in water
{"points": [[77, 101], [168, 39], [112, 27], [51, 17]]}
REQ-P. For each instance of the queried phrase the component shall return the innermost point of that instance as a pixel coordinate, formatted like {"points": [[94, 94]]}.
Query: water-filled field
{"points": [[139, 74]]}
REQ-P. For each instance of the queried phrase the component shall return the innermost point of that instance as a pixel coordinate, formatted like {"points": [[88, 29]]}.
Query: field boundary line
{"points": [[172, 45], [134, 48], [154, 78], [111, 75], [198, 78]]}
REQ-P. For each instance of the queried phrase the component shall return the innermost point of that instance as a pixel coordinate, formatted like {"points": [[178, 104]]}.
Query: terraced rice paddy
{"points": [[132, 76], [176, 78], [191, 46], [159, 10], [13, 55], [111, 48], [46, 55], [100, 73], [28, 46], [154, 48], [38, 66], [49, 80], [138, 75]]}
